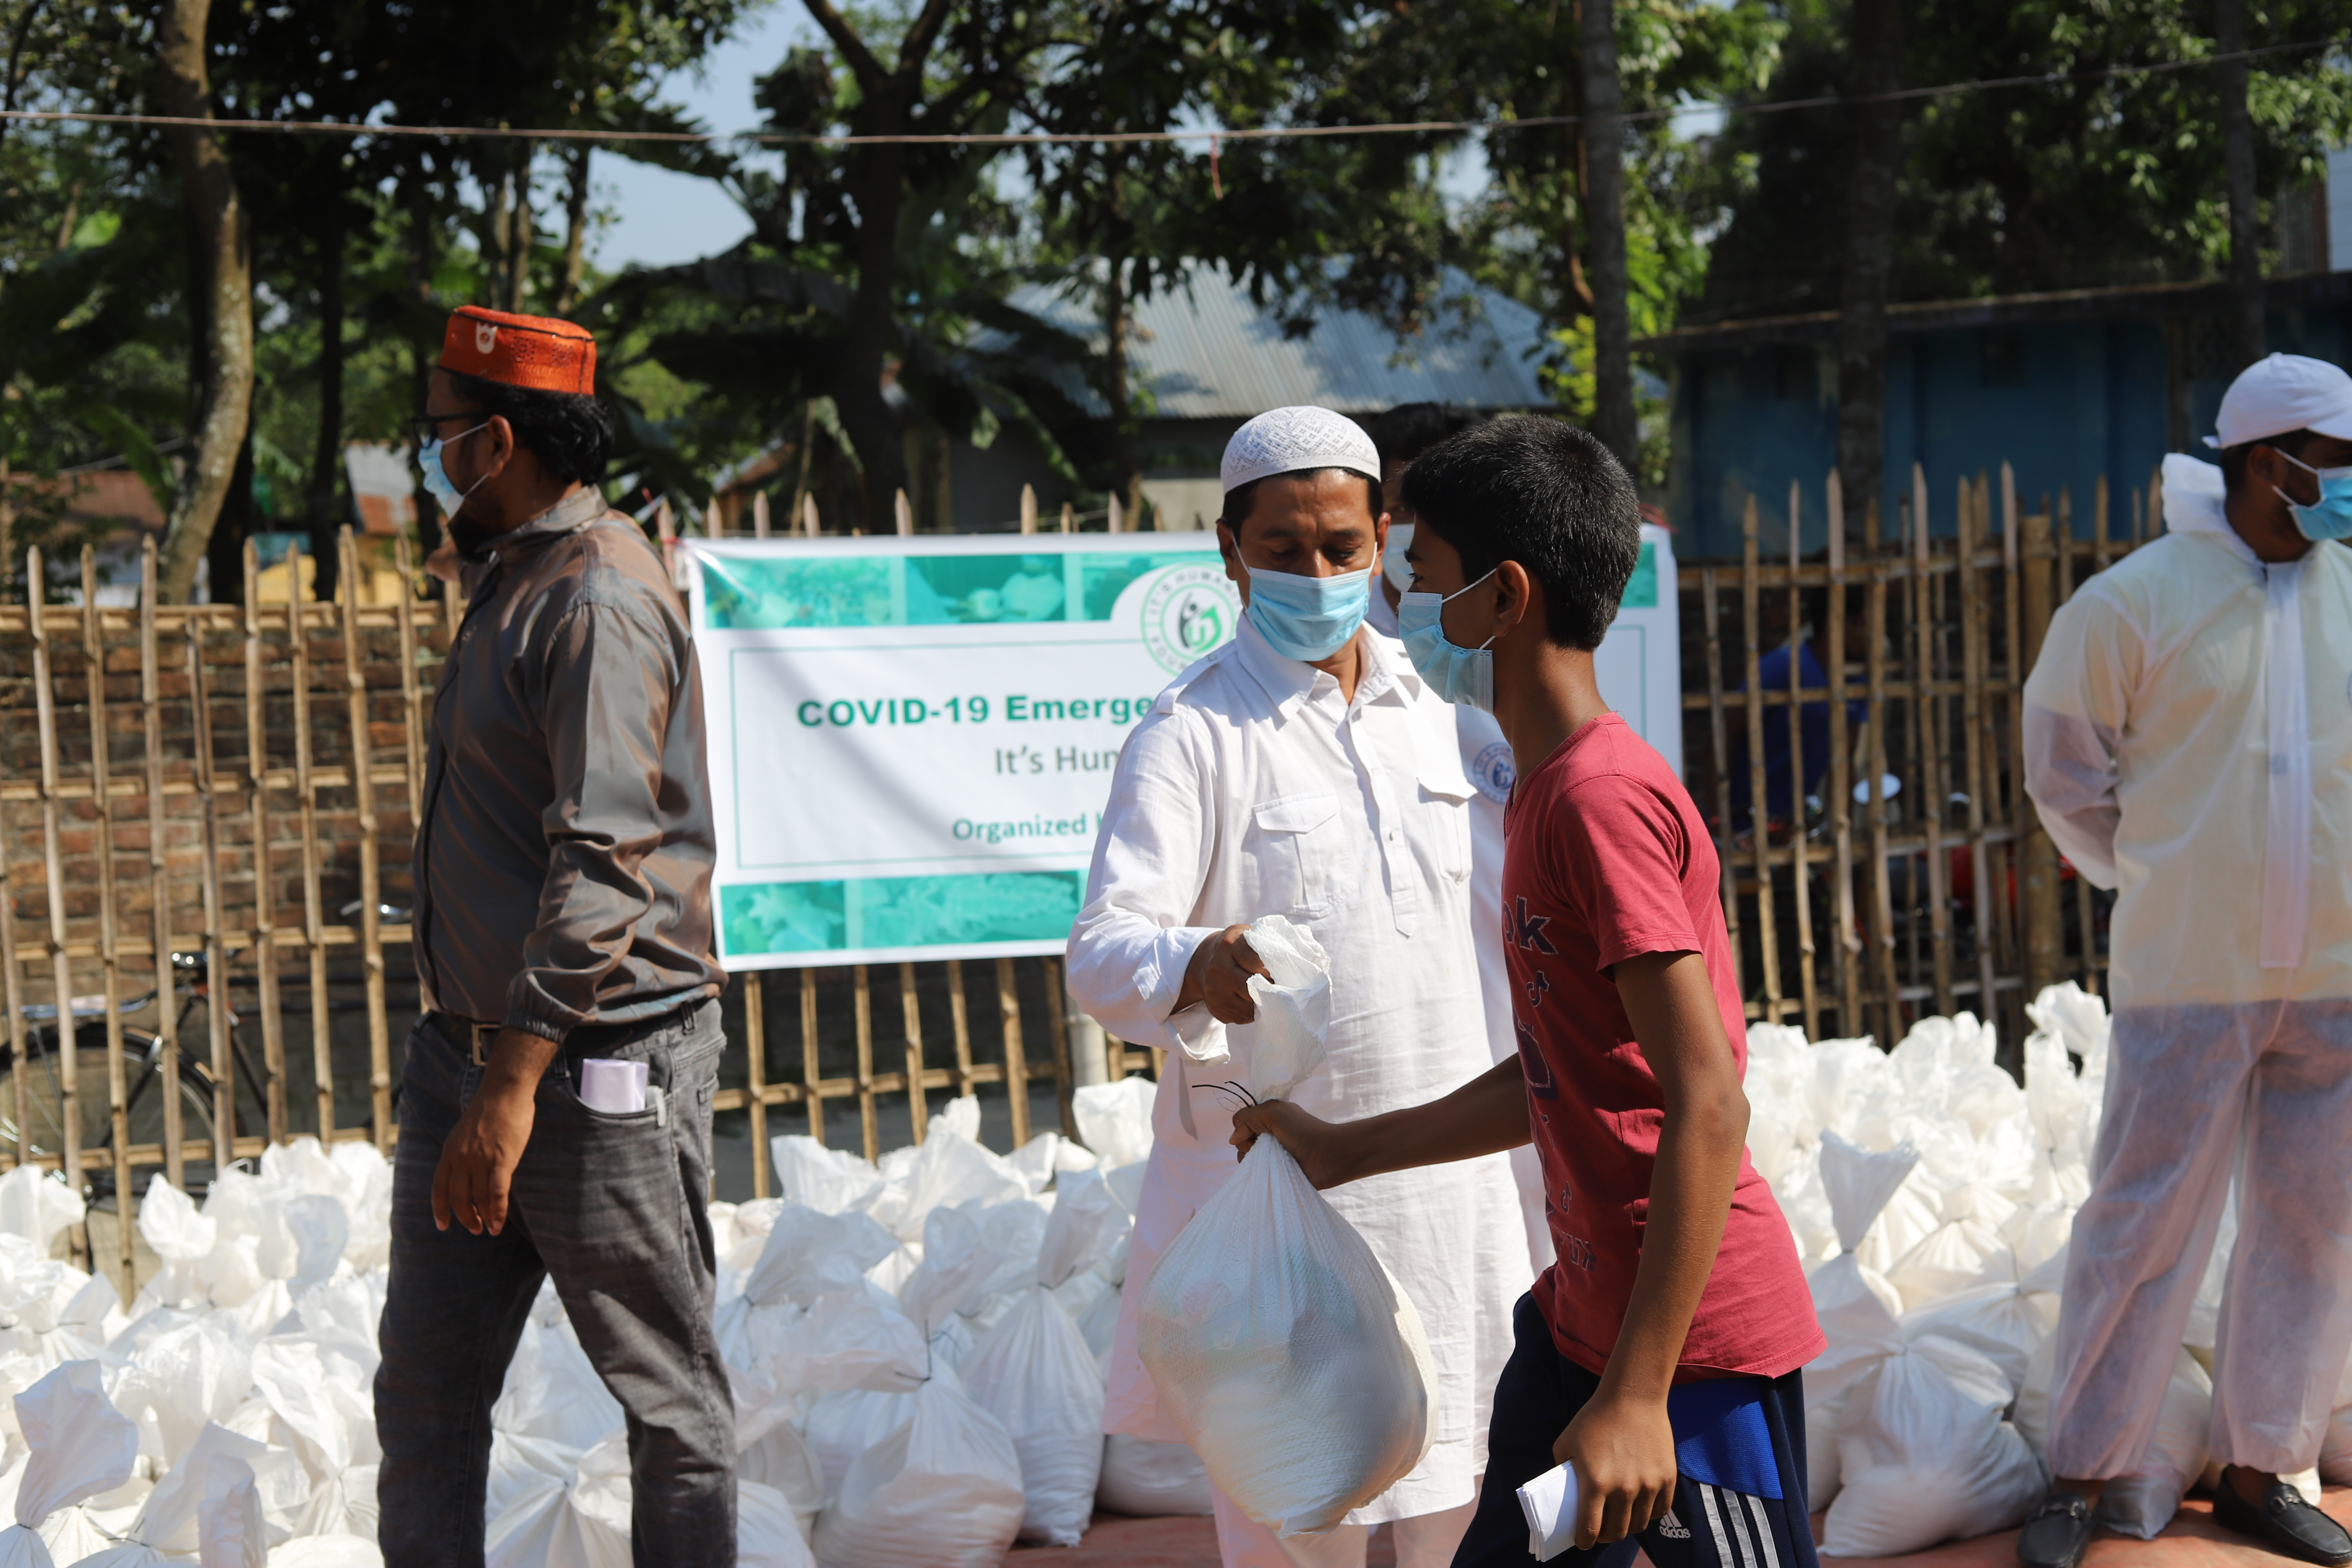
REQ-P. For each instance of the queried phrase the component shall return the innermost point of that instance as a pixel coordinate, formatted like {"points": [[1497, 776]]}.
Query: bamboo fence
{"points": [[215, 803], [224, 798], [1867, 908]]}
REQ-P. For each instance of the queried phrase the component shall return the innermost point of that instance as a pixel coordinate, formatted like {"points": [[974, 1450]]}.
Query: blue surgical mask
{"points": [[1394, 565], [2332, 517], [436, 479], [1307, 619], [1456, 674]]}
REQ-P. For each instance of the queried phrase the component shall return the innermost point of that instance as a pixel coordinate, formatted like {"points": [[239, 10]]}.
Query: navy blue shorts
{"points": [[1740, 1445]]}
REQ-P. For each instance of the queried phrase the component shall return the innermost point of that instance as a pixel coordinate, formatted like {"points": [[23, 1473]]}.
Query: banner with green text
{"points": [[912, 739]]}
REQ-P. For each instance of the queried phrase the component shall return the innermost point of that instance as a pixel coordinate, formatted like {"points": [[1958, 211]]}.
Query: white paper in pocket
{"points": [[1549, 1503], [616, 1088]]}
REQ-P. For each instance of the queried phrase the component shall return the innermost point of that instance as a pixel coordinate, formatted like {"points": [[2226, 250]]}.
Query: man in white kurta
{"points": [[2189, 743], [1401, 435], [1256, 787]]}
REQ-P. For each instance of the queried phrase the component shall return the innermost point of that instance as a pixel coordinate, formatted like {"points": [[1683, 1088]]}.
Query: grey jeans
{"points": [[614, 1209]]}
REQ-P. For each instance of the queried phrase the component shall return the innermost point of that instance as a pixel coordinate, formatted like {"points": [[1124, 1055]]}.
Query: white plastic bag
{"points": [[1285, 1352], [1115, 1120], [81, 1447], [327, 1552], [942, 1490], [771, 1453], [197, 1373], [854, 1339], [767, 1534], [208, 1506], [1033, 1373], [830, 1181], [36, 1205], [1152, 1481], [1855, 1306], [948, 1171], [583, 1525], [1294, 1007], [552, 1390], [955, 1267], [1926, 1457]]}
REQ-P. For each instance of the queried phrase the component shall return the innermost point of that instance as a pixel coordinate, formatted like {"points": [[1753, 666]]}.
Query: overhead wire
{"points": [[1214, 135]]}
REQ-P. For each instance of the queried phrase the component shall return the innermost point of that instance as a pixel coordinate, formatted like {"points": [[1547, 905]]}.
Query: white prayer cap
{"points": [[2283, 392], [1285, 440]]}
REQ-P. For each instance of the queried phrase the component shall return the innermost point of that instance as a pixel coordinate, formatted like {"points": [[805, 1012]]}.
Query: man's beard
{"points": [[472, 539]]}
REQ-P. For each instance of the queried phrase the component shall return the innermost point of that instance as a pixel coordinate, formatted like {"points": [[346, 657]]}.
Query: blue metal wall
{"points": [[2077, 399]]}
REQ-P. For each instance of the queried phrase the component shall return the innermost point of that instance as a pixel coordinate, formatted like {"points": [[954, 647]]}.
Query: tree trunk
{"points": [[1125, 475], [423, 352], [1877, 143], [226, 550], [519, 233], [2246, 334], [575, 231], [877, 185], [327, 455], [1604, 236], [220, 297]]}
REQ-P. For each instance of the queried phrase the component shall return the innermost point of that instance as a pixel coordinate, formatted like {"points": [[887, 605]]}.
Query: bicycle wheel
{"points": [[45, 1095]]}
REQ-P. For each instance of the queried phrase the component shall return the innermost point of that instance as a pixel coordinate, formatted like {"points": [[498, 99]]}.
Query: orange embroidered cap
{"points": [[537, 353]]}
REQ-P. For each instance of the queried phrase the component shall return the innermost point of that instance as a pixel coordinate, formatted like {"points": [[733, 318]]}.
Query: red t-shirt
{"points": [[1605, 858]]}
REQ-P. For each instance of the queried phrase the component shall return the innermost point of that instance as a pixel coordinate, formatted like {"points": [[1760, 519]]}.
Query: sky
{"points": [[658, 218]]}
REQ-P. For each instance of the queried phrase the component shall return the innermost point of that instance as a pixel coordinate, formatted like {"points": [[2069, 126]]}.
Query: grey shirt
{"points": [[563, 854]]}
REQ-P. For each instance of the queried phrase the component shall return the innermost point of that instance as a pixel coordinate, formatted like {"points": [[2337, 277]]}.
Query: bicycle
{"points": [[143, 1061]]}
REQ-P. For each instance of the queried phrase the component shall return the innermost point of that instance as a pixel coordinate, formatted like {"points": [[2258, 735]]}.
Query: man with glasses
{"points": [[555, 1101], [2189, 743]]}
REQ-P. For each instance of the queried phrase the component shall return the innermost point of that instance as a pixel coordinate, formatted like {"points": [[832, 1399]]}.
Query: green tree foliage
{"points": [[2066, 185], [360, 243]]}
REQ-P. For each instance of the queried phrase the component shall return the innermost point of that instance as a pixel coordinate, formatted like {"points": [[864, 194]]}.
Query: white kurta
{"points": [[1253, 788], [1486, 759]]}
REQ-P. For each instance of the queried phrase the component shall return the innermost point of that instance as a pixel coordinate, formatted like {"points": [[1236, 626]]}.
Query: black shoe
{"points": [[2058, 1533], [2284, 1522]]}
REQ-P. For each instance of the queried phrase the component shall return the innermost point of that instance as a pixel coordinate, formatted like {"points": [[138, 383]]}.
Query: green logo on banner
{"points": [[1187, 614]]}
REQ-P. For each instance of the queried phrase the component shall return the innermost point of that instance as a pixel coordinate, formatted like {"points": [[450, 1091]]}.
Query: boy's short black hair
{"points": [[1409, 429], [569, 432], [1241, 497], [1547, 495], [2233, 459]]}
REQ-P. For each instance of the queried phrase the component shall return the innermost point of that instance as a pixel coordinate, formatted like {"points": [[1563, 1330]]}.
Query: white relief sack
{"points": [[1284, 1352]]}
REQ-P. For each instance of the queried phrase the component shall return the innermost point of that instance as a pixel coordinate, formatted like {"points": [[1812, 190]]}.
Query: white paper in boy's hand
{"points": [[1549, 1503], [616, 1088]]}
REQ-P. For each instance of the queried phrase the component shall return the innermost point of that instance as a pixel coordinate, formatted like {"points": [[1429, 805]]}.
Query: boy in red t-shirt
{"points": [[1659, 1354]]}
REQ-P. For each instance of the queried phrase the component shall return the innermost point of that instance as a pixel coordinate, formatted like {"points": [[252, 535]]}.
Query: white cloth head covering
{"points": [[2271, 397], [1285, 440]]}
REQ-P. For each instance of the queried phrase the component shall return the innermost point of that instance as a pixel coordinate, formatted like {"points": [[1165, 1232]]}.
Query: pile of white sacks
{"points": [[916, 1351], [916, 1348], [1931, 1199]]}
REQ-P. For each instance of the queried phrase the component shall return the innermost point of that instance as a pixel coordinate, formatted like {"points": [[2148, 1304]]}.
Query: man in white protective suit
{"points": [[2189, 743], [1303, 770], [1403, 434]]}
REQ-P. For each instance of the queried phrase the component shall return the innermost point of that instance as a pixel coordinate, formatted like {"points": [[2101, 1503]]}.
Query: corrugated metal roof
{"points": [[1208, 352]]}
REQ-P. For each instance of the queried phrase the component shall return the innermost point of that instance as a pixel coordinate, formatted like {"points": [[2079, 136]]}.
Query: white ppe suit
{"points": [[1254, 788], [2189, 743]]}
